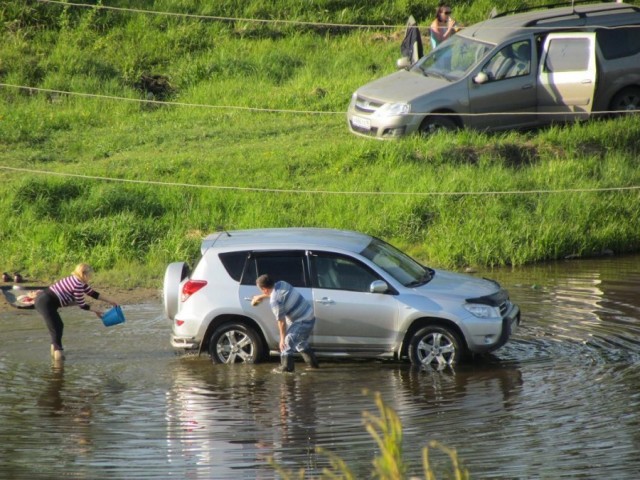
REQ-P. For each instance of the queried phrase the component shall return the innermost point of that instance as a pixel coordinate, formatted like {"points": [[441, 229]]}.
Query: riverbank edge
{"points": [[124, 296]]}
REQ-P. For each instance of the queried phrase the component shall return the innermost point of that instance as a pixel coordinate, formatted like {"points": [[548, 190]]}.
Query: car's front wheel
{"points": [[235, 343], [436, 123], [435, 345]]}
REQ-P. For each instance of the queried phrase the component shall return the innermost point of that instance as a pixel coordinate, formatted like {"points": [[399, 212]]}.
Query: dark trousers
{"points": [[47, 305]]}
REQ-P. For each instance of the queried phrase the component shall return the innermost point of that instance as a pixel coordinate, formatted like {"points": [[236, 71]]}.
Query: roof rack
{"points": [[538, 7]]}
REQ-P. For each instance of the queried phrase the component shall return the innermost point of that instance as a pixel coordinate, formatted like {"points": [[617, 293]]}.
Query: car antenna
{"points": [[221, 229]]}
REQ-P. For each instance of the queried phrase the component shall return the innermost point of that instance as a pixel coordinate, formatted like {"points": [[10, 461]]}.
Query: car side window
{"points": [[619, 42], [567, 55], [287, 266], [233, 263], [340, 272], [514, 60]]}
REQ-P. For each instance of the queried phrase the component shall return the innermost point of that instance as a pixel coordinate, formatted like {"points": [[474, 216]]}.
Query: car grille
{"points": [[363, 105], [504, 308]]}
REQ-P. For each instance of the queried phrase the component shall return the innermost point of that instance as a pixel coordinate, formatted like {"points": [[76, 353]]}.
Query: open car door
{"points": [[567, 76]]}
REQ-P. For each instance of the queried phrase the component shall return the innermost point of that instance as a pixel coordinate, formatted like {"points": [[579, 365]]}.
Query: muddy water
{"points": [[560, 401]]}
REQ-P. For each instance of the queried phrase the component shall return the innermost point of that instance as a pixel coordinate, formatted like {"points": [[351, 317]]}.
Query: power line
{"points": [[280, 110], [268, 21], [317, 192], [220, 18], [168, 103]]}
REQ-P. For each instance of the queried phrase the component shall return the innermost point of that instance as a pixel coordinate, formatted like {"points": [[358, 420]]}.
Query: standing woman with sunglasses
{"points": [[443, 26]]}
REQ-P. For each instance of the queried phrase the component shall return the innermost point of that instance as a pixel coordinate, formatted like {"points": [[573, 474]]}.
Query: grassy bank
{"points": [[200, 167]]}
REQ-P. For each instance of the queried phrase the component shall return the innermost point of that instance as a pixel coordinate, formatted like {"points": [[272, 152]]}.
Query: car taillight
{"points": [[191, 287]]}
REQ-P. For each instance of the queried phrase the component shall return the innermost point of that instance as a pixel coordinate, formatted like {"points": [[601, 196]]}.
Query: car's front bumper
{"points": [[510, 323], [395, 126]]}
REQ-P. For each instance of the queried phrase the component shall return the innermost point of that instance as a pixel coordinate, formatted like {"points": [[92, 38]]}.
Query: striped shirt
{"points": [[71, 289], [289, 304]]}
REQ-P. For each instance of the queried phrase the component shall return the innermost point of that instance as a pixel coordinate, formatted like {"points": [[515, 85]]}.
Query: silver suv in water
{"points": [[513, 71], [369, 299]]}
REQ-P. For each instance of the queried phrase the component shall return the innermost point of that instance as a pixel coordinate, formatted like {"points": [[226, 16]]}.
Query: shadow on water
{"points": [[562, 399]]}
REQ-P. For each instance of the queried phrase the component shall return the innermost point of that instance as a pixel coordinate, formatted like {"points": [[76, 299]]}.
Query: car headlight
{"points": [[392, 109], [482, 311]]}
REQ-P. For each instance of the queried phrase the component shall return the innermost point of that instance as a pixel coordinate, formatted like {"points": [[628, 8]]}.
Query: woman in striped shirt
{"points": [[69, 290]]}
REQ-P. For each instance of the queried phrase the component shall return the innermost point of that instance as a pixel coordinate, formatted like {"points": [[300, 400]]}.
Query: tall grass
{"points": [[50, 222]]}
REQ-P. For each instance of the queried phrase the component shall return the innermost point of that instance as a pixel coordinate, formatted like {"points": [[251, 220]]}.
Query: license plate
{"points": [[361, 122]]}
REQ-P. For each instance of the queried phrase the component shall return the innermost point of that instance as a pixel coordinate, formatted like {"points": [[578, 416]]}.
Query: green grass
{"points": [[413, 192]]}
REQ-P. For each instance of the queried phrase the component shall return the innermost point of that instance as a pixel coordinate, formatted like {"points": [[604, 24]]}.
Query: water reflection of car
{"points": [[512, 71], [227, 422], [369, 299]]}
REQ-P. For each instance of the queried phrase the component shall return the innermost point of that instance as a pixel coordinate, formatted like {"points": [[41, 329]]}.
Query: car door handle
{"points": [[586, 81], [325, 301], [527, 86]]}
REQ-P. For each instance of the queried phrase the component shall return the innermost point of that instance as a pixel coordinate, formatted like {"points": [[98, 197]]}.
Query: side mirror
{"points": [[481, 78], [378, 286], [403, 62]]}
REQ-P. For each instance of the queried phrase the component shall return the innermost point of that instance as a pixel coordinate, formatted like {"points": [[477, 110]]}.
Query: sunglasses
{"points": [[447, 12]]}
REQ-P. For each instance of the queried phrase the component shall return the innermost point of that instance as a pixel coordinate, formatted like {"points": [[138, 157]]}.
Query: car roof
{"points": [[303, 237], [501, 28]]}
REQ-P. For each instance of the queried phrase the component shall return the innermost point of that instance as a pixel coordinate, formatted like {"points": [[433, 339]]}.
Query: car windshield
{"points": [[453, 59], [397, 264]]}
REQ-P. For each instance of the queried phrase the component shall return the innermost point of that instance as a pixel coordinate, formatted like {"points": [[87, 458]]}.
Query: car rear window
{"points": [[619, 42], [233, 263]]}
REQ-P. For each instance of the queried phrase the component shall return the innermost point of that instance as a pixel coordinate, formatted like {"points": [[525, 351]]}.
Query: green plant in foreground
{"points": [[386, 429]]}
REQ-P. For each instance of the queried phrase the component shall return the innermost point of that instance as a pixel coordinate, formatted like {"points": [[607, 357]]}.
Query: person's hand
{"points": [[282, 345], [114, 304], [98, 314], [256, 300]]}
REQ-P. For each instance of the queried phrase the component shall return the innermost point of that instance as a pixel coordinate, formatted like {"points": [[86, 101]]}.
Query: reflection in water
{"points": [[51, 397], [561, 400], [246, 413], [287, 417], [67, 408]]}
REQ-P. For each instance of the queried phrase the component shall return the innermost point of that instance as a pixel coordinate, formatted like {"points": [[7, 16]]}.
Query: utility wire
{"points": [[160, 102], [218, 18], [280, 110], [266, 21], [316, 192]]}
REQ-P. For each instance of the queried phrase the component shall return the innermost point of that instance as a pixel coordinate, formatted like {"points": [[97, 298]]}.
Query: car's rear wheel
{"points": [[625, 101], [435, 345], [235, 343], [435, 123]]}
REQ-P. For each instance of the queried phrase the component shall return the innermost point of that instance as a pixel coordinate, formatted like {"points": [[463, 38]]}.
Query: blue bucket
{"points": [[113, 317]]}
